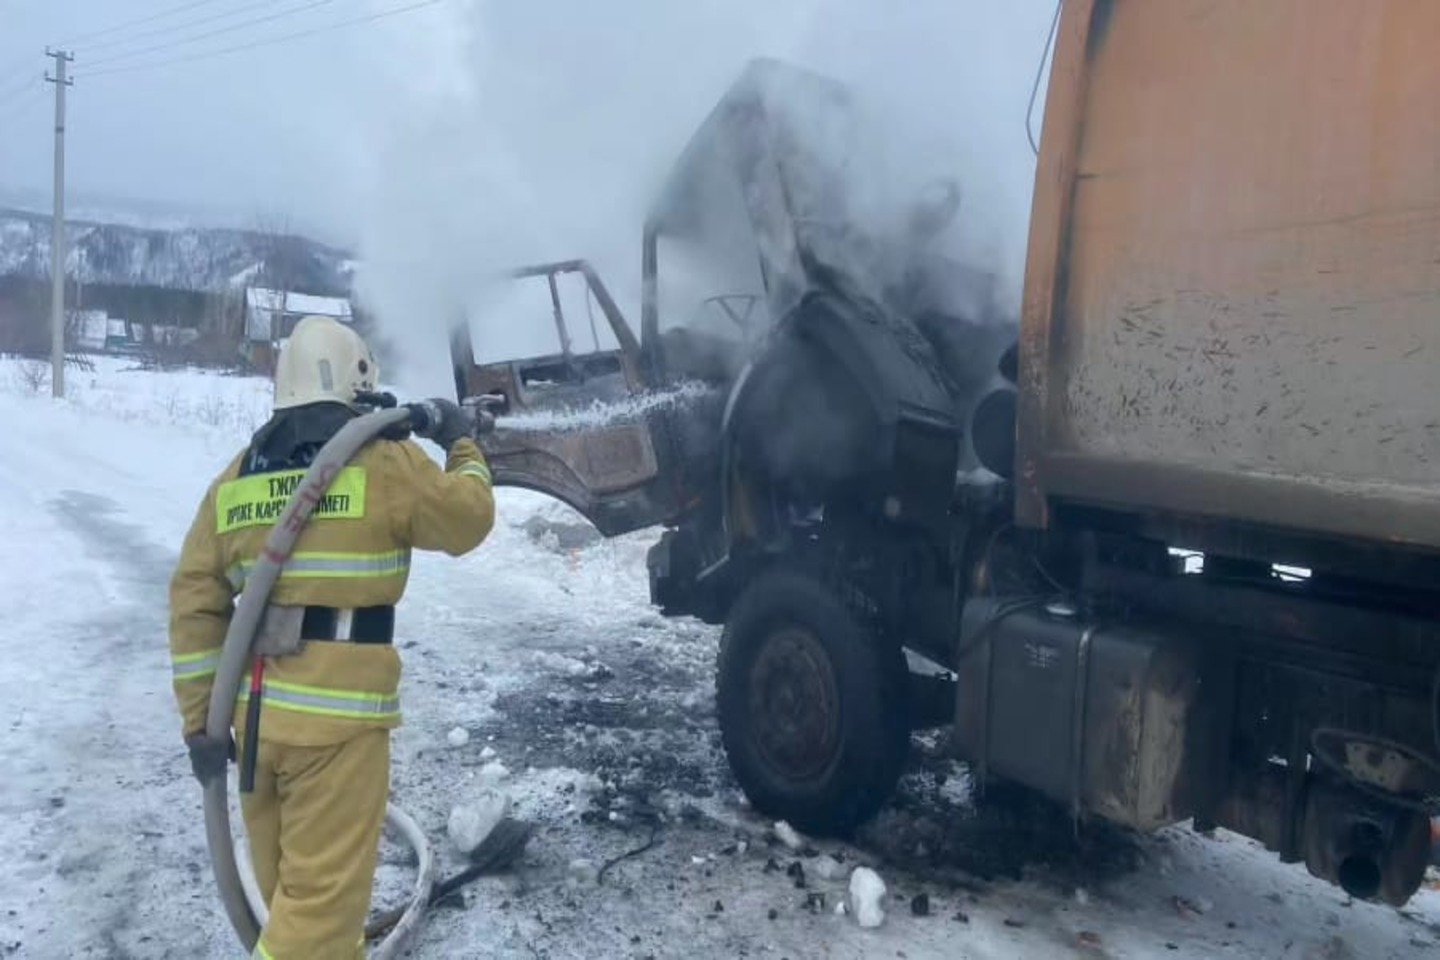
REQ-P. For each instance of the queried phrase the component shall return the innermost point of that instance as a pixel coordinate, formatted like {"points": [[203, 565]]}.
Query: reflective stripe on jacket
{"points": [[354, 553]]}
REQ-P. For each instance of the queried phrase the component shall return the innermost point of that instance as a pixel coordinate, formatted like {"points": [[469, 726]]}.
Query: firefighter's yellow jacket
{"points": [[355, 553]]}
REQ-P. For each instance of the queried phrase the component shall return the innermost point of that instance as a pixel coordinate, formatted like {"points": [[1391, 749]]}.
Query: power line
{"points": [[219, 31], [19, 107], [17, 83], [212, 54], [28, 85], [18, 90], [124, 26], [22, 73], [128, 24], [177, 27]]}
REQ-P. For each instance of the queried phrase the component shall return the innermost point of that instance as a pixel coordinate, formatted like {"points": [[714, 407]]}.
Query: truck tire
{"points": [[811, 707]]}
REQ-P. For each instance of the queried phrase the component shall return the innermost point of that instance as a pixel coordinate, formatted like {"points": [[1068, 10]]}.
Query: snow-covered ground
{"points": [[543, 647]]}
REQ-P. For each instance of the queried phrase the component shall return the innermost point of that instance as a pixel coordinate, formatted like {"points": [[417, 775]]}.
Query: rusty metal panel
{"points": [[605, 472], [1233, 307], [601, 460]]}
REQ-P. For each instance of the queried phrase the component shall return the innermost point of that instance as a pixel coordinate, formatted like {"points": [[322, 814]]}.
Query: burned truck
{"points": [[1164, 551]]}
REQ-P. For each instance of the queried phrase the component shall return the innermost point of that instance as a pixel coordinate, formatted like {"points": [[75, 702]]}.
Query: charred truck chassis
{"points": [[813, 509], [1285, 711], [843, 499], [1084, 662]]}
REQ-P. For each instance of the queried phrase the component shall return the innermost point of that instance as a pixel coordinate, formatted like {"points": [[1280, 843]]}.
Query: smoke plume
{"points": [[544, 130]]}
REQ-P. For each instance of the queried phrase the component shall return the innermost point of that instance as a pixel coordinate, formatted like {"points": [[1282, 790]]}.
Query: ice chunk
{"points": [[471, 823], [867, 891], [487, 754], [788, 836], [458, 737], [583, 872], [493, 772], [571, 667], [828, 868]]}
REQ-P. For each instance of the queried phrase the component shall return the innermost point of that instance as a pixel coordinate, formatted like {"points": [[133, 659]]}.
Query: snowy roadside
{"points": [[543, 647]]}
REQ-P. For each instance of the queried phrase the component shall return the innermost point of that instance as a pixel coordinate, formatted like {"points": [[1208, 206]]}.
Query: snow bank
{"points": [[203, 401]]}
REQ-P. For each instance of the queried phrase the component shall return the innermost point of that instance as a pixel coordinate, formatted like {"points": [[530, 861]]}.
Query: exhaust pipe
{"points": [[1359, 870], [1371, 850]]}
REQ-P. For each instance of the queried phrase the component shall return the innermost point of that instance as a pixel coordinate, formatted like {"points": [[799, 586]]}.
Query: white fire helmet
{"points": [[323, 360]]}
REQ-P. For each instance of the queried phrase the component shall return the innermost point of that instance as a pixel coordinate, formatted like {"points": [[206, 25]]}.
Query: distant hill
{"points": [[198, 259]]}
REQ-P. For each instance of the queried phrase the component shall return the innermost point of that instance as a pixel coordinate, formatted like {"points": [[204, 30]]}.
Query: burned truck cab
{"points": [[841, 428], [793, 415]]}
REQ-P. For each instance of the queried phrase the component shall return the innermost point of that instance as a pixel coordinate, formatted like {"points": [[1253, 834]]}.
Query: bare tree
{"points": [[34, 375]]}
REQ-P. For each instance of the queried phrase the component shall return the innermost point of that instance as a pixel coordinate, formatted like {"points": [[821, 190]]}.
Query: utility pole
{"points": [[57, 234]]}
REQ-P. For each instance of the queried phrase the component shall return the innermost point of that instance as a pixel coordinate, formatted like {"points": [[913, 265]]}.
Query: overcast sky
{"points": [[473, 133], [271, 131]]}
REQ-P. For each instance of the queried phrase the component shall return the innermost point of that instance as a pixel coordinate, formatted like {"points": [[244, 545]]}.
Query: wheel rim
{"points": [[794, 705]]}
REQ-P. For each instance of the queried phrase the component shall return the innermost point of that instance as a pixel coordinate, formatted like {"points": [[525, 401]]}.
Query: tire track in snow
{"points": [[101, 811], [124, 651]]}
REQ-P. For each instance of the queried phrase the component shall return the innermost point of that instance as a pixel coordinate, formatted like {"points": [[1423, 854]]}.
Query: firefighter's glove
{"points": [[441, 421], [486, 408], [209, 755]]}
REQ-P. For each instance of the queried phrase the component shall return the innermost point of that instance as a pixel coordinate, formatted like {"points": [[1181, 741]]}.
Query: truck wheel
{"points": [[811, 707]]}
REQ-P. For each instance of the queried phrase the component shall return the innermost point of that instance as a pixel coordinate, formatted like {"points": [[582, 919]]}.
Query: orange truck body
{"points": [[1232, 299]]}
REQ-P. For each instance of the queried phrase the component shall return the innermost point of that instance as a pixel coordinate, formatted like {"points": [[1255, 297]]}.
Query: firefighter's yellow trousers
{"points": [[314, 822]]}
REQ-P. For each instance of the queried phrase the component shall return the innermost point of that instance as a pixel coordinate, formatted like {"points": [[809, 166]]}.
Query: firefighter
{"points": [[329, 693]]}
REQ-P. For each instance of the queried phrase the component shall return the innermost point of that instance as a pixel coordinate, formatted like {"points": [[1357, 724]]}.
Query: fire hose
{"points": [[240, 895]]}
